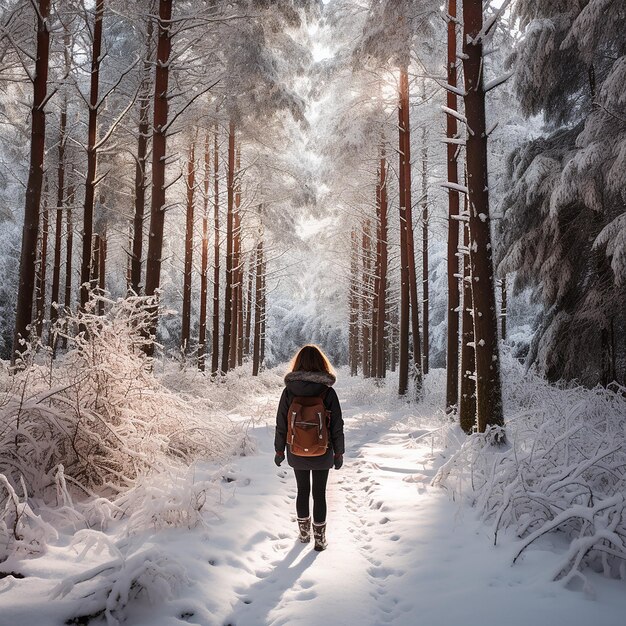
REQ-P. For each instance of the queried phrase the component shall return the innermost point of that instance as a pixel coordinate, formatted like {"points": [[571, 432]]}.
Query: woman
{"points": [[309, 384]]}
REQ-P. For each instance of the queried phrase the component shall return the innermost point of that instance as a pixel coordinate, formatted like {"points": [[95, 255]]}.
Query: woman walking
{"points": [[309, 423]]}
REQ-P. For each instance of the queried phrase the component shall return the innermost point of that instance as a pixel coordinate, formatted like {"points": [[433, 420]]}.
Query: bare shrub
{"points": [[109, 590], [564, 471], [93, 421]]}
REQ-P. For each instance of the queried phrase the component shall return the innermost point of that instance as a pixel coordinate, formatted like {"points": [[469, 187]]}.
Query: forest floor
{"points": [[400, 551]]}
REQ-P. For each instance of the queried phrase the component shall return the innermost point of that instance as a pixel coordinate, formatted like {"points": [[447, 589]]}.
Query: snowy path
{"points": [[400, 552]]}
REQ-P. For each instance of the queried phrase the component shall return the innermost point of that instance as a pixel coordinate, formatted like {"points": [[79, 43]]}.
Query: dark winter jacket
{"points": [[310, 384]]}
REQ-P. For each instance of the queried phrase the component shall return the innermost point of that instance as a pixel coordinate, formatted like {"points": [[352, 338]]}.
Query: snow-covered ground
{"points": [[400, 551]]}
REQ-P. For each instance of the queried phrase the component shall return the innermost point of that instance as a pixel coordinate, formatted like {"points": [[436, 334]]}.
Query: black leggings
{"points": [[303, 480]]}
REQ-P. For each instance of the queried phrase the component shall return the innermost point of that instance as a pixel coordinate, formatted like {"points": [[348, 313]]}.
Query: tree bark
{"points": [[467, 400], [258, 310], [94, 264], [141, 162], [488, 384], [354, 310], [228, 292], [425, 267], [366, 297], [102, 260], [403, 334], [69, 252], [215, 351], [382, 291], [405, 128], [92, 156], [40, 299], [376, 290], [503, 308], [240, 320], [249, 305], [240, 265], [452, 151], [58, 228], [204, 279], [236, 269], [159, 146], [191, 188], [394, 343], [263, 308], [30, 230]]}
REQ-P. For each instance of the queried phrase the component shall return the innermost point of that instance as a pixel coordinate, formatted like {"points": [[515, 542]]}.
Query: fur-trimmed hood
{"points": [[321, 378]]}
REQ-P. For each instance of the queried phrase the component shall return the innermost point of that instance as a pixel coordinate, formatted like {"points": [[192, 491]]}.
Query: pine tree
{"points": [[488, 385], [23, 315], [452, 151], [564, 217]]}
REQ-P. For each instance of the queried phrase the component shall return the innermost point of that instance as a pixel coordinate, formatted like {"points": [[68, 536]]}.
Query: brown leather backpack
{"points": [[308, 423]]}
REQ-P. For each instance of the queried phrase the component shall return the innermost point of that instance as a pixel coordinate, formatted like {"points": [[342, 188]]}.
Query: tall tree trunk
{"points": [[452, 150], [249, 305], [94, 263], [40, 299], [263, 309], [92, 155], [354, 304], [58, 225], [394, 341], [215, 343], [258, 310], [236, 269], [405, 128], [143, 131], [204, 268], [240, 320], [376, 284], [159, 146], [102, 260], [228, 292], [503, 307], [467, 400], [58, 235], [403, 334], [488, 384], [191, 188], [129, 259], [366, 296], [240, 265], [30, 231], [69, 251], [382, 291], [425, 266]]}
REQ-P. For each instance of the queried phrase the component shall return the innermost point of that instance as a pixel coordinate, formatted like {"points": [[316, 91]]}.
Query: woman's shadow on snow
{"points": [[255, 603]]}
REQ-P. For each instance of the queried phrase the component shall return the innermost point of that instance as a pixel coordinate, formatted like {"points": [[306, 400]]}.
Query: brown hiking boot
{"points": [[304, 526], [319, 534]]}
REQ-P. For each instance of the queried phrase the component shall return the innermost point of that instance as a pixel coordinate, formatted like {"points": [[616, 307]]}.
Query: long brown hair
{"points": [[311, 359]]}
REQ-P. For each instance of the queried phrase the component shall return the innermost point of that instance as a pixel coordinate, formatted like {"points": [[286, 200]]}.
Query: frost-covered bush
{"points": [[564, 471], [21, 529], [94, 420], [109, 590]]}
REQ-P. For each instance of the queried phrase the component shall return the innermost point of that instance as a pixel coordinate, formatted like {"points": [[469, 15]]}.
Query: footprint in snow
{"points": [[381, 572], [305, 595]]}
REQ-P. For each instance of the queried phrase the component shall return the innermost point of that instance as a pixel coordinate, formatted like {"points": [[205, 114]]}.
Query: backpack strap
{"points": [[323, 396]]}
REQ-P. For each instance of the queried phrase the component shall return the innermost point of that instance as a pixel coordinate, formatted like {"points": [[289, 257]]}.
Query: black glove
{"points": [[338, 461], [279, 457]]}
